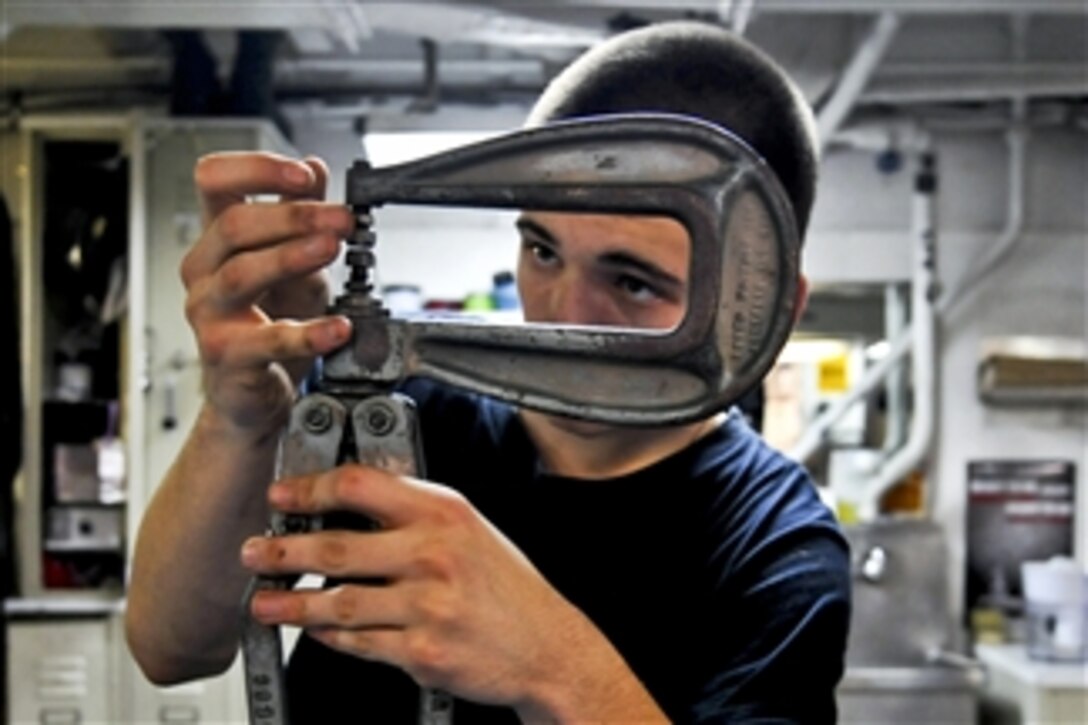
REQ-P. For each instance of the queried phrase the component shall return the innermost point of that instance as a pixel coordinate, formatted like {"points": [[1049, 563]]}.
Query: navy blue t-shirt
{"points": [[717, 572]]}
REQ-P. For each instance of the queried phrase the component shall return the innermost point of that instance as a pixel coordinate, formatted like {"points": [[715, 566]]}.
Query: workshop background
{"points": [[936, 386]]}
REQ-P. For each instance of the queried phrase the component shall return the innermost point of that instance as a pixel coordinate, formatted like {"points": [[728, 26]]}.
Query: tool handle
{"points": [[310, 444], [386, 432]]}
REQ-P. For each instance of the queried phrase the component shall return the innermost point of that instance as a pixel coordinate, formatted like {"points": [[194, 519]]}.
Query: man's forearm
{"points": [[183, 615], [591, 683]]}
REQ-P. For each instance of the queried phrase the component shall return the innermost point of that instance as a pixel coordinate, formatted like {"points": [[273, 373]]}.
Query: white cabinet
{"points": [[60, 672], [65, 670], [219, 700]]}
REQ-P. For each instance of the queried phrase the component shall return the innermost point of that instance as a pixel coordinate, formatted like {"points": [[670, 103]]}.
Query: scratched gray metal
{"points": [[309, 445], [387, 437], [742, 280]]}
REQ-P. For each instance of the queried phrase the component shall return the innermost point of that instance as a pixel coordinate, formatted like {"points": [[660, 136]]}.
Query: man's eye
{"points": [[542, 253], [636, 288]]}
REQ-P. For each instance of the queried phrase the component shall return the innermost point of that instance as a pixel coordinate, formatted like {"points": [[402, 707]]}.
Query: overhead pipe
{"points": [[904, 135], [428, 101], [923, 337], [827, 7], [974, 90], [856, 75], [896, 388], [347, 24], [815, 434], [736, 14], [1016, 138]]}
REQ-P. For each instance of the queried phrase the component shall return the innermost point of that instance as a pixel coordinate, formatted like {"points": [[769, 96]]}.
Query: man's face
{"points": [[598, 269]]}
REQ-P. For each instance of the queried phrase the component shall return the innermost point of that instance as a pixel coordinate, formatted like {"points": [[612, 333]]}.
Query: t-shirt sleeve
{"points": [[782, 609], [789, 658]]}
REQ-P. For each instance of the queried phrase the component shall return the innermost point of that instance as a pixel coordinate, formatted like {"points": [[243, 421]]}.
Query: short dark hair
{"points": [[696, 69]]}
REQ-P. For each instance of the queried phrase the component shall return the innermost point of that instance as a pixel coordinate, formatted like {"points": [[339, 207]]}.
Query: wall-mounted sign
{"points": [[1017, 511]]}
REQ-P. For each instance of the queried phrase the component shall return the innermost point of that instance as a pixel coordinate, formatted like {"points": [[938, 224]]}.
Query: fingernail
{"points": [[296, 174], [337, 219], [279, 495], [346, 221], [318, 246], [251, 551], [336, 332], [265, 607]]}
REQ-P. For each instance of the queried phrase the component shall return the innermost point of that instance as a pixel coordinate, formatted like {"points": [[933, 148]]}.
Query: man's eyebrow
{"points": [[623, 259], [536, 229]]}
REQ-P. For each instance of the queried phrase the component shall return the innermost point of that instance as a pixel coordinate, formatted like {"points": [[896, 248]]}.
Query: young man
{"points": [[559, 569]]}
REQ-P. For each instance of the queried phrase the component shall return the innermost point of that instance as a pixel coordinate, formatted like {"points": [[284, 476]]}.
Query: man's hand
{"points": [[256, 283], [458, 606]]}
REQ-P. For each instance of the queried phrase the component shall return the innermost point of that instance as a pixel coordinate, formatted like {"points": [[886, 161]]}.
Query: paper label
{"points": [[111, 459]]}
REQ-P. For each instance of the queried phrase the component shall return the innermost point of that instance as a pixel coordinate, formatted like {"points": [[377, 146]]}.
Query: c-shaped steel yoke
{"points": [[742, 277]]}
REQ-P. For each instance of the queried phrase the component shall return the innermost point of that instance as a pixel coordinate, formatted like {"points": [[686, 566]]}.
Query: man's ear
{"points": [[802, 298]]}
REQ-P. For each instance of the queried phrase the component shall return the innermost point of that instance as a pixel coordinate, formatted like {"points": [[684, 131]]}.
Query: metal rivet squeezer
{"points": [[742, 290]]}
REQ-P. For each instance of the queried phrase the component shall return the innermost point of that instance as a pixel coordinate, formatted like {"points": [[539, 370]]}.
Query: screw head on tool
{"points": [[380, 420], [318, 419]]}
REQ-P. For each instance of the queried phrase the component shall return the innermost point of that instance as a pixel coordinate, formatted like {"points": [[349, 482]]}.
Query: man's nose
{"points": [[576, 301]]}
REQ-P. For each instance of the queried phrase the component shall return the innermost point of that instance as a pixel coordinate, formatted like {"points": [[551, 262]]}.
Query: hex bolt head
{"points": [[318, 419], [380, 420]]}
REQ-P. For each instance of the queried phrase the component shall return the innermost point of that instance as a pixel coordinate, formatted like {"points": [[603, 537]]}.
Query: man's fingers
{"points": [[245, 277], [321, 181], [391, 499], [227, 178], [245, 346], [340, 554], [246, 227], [349, 606]]}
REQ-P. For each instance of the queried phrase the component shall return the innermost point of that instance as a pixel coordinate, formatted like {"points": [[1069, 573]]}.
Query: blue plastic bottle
{"points": [[504, 292]]}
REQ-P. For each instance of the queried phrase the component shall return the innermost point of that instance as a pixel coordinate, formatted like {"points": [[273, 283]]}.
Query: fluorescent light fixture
{"points": [[813, 350], [384, 148]]}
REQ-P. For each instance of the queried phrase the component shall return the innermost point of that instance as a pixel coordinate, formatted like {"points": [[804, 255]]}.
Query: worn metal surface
{"points": [[742, 277], [310, 444], [900, 595], [901, 664], [387, 437], [383, 432], [930, 694]]}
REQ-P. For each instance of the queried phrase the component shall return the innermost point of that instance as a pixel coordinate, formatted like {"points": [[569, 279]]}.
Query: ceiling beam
{"points": [[856, 75], [912, 7], [890, 83], [347, 21], [134, 14], [976, 89]]}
